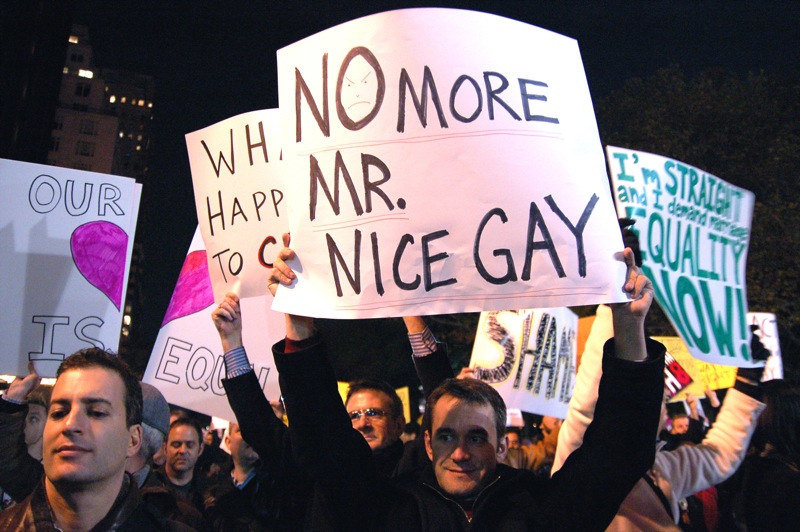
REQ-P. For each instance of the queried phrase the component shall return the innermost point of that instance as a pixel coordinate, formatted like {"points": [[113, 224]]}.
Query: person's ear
{"points": [[428, 447], [135, 442]]}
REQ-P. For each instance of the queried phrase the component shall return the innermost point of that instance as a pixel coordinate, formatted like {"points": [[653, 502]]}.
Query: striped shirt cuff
{"points": [[236, 362], [422, 343]]}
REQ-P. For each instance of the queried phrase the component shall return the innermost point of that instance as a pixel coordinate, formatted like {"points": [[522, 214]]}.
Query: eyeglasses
{"points": [[369, 412]]}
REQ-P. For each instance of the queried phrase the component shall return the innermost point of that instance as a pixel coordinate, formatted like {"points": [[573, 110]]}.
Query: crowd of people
{"points": [[102, 451]]}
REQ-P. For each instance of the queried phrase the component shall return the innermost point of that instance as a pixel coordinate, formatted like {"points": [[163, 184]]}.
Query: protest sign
{"points": [[688, 375], [424, 181], [67, 237], [529, 357], [186, 363], [768, 334], [694, 231], [236, 175]]}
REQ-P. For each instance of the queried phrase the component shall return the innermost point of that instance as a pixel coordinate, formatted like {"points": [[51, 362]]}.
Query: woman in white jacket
{"points": [[653, 503]]}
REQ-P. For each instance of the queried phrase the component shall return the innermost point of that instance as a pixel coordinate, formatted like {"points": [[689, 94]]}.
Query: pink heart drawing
{"points": [[193, 290], [99, 251]]}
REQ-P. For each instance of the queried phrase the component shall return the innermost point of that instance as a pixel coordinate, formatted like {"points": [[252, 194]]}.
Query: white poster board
{"points": [[67, 237], [694, 231], [529, 356], [768, 334], [186, 363], [236, 173], [443, 161]]}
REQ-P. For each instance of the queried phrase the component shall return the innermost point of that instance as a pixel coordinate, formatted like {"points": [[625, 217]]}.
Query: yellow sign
{"points": [[703, 374]]}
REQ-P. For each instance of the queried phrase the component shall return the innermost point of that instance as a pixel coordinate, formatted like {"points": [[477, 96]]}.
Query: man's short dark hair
{"points": [[94, 357], [188, 422], [471, 391], [360, 385]]}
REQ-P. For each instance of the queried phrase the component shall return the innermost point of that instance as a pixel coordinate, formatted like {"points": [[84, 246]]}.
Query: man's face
{"points": [[463, 445], [85, 438], [380, 430], [34, 423], [513, 440], [241, 452], [183, 449], [680, 425]]}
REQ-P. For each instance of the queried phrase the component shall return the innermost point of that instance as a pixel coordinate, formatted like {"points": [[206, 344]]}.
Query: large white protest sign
{"points": [[236, 175], [694, 230], [187, 364], [67, 237], [529, 356], [768, 334], [443, 161]]}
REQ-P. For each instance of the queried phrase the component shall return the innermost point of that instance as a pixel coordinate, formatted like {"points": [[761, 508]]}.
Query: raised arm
{"points": [[19, 471], [618, 446], [260, 428]]}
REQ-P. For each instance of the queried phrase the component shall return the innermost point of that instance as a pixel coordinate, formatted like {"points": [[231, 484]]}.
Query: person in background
{"points": [[183, 446], [771, 477]]}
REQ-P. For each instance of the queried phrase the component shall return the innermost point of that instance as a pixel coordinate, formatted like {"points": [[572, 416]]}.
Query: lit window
{"points": [[150, 105], [138, 148], [126, 319], [141, 103], [85, 73], [73, 39], [112, 99], [121, 134], [139, 138], [123, 99], [65, 71]]}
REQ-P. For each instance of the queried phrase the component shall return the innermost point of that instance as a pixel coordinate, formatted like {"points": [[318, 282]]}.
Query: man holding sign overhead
{"points": [[465, 487]]}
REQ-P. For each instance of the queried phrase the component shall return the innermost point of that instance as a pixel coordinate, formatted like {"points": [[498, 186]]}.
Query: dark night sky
{"points": [[214, 60]]}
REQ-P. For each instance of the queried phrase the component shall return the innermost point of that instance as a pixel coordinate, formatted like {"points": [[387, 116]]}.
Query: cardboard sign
{"points": [[529, 356], [694, 231], [67, 237], [187, 364], [236, 172], [431, 170], [768, 334], [691, 376]]}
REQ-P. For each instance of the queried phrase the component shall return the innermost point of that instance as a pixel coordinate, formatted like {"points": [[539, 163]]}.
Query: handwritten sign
{"points": [[694, 231], [689, 375], [67, 238], [186, 363], [768, 334], [433, 169], [236, 172], [529, 356]]}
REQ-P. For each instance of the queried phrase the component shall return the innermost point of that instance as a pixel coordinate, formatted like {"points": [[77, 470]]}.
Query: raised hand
{"points": [[227, 319]]}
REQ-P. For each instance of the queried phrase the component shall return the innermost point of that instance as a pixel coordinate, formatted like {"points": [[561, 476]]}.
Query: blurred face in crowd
{"points": [[34, 424], [463, 445], [86, 439], [513, 440], [371, 414], [680, 425], [183, 447], [550, 424], [243, 455]]}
